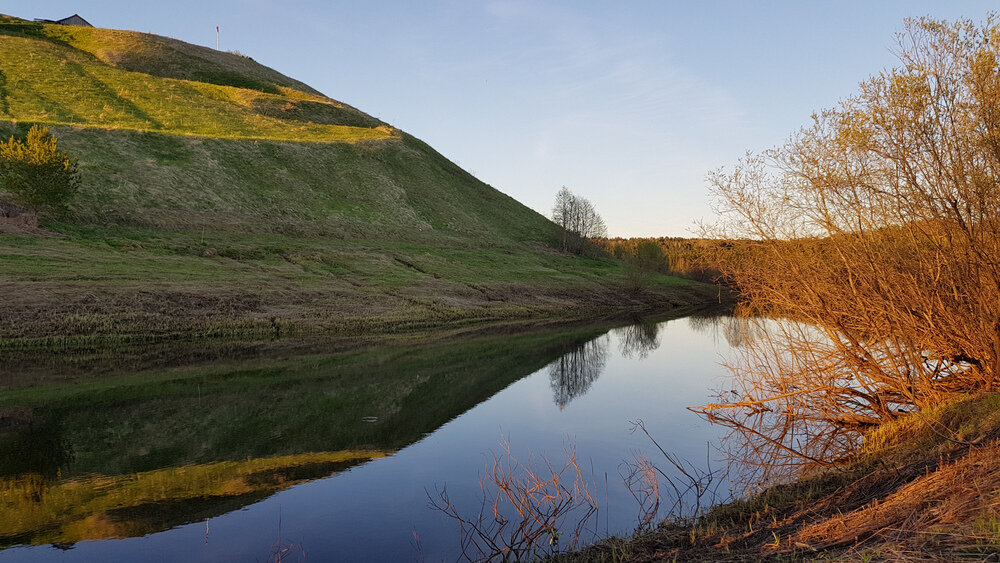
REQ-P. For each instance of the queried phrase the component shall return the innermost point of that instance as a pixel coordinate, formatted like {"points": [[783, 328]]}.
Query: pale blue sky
{"points": [[627, 103]]}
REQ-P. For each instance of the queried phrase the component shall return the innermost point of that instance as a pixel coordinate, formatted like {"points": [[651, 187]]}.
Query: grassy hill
{"points": [[126, 80], [222, 197]]}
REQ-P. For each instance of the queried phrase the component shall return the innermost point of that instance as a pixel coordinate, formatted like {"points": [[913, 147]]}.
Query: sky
{"points": [[628, 104]]}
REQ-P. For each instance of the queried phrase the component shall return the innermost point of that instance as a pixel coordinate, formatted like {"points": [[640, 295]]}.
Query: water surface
{"points": [[333, 455]]}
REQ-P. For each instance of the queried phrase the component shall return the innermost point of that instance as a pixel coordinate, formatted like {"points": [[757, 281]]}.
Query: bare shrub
{"points": [[676, 256], [527, 508], [642, 480], [282, 551], [690, 487], [877, 231]]}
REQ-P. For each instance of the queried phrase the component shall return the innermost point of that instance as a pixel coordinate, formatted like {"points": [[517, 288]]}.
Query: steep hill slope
{"points": [[220, 195], [153, 142], [125, 79]]}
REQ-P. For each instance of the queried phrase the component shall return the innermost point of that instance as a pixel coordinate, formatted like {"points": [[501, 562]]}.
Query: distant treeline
{"points": [[690, 258]]}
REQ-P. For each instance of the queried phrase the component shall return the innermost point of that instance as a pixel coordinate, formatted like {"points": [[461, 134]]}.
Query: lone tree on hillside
{"points": [[878, 226], [36, 173], [578, 219]]}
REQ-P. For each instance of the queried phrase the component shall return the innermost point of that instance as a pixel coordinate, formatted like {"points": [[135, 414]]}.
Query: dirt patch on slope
{"points": [[22, 225], [16, 220]]}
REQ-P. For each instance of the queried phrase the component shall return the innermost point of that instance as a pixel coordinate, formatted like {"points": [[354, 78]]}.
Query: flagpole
{"points": [[216, 38]]}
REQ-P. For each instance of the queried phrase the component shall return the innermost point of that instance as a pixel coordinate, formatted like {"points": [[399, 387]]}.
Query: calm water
{"points": [[213, 458]]}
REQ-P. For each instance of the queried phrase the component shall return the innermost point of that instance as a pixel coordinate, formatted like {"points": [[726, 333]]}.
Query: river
{"points": [[330, 452]]}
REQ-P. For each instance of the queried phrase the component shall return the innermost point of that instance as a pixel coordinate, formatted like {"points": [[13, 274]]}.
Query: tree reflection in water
{"points": [[575, 371], [767, 447], [706, 323], [735, 330], [638, 340], [787, 414]]}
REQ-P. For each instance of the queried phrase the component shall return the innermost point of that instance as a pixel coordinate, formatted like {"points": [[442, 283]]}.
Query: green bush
{"points": [[649, 255], [36, 173]]}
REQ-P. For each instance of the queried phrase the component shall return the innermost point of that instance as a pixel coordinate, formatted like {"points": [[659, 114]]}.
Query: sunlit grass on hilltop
{"points": [[64, 75]]}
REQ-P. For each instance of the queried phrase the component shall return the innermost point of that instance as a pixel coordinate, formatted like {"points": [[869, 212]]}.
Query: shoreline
{"points": [[50, 328], [921, 488], [85, 358]]}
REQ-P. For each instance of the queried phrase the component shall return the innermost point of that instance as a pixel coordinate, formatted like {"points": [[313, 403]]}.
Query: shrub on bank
{"points": [[36, 173]]}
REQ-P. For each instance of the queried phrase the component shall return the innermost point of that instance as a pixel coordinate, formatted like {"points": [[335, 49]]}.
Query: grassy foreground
{"points": [[923, 488]]}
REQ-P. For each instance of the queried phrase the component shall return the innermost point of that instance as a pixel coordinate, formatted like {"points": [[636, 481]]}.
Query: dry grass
{"points": [[930, 514]]}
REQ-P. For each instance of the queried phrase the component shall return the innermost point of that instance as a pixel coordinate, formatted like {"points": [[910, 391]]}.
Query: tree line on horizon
{"points": [[583, 231], [675, 256]]}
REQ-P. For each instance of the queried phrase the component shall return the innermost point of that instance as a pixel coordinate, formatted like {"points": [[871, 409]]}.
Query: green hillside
{"points": [[220, 196], [126, 80]]}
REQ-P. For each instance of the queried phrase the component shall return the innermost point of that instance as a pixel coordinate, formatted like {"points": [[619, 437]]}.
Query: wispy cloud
{"points": [[632, 79]]}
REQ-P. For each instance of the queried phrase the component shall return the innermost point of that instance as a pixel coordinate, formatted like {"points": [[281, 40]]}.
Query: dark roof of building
{"points": [[75, 19]]}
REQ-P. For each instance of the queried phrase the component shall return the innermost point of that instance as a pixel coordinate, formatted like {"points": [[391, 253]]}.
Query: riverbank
{"points": [[115, 284], [923, 488]]}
